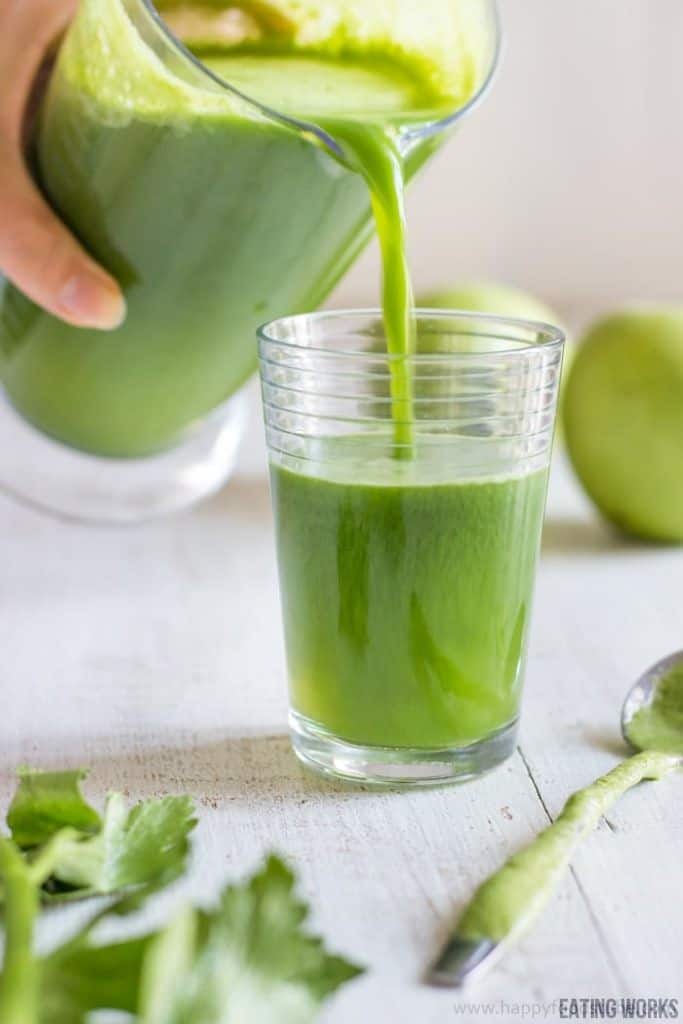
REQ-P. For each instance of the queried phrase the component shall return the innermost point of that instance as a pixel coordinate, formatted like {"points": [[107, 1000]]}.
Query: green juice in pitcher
{"points": [[214, 212]]}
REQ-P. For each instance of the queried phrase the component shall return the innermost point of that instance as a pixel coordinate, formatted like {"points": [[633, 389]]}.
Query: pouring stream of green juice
{"points": [[227, 186]]}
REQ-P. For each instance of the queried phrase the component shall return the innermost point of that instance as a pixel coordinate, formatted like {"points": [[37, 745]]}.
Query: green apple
{"points": [[489, 297], [623, 416], [500, 300]]}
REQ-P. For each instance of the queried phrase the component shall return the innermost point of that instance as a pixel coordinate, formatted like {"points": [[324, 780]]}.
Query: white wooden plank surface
{"points": [[154, 655]]}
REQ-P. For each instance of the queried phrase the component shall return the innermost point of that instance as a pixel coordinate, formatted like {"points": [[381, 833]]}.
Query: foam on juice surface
{"points": [[399, 54]]}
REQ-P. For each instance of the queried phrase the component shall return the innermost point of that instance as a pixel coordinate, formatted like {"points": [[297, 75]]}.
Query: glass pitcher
{"points": [[215, 212]]}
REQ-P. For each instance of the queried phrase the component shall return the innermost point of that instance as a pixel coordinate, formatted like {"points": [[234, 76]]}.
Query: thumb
{"points": [[37, 252], [41, 257]]}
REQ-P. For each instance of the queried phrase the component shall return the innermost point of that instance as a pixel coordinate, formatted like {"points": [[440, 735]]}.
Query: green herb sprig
{"points": [[249, 960]]}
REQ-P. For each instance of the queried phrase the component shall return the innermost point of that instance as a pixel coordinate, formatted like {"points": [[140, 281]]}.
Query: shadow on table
{"points": [[253, 769], [609, 741], [571, 537]]}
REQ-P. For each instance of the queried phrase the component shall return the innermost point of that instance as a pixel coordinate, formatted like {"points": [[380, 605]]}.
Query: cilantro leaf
{"points": [[248, 961], [146, 845], [91, 856], [45, 802], [81, 978]]}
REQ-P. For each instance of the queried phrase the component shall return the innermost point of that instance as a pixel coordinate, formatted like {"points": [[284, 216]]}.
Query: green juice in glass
{"points": [[406, 604]]}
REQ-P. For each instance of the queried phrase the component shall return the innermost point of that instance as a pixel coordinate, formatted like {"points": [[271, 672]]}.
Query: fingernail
{"points": [[88, 300]]}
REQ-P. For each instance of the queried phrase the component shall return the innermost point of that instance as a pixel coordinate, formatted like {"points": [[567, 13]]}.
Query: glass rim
{"points": [[552, 338]]}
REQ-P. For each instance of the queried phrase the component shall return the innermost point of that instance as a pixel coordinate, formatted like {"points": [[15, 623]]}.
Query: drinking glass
{"points": [[407, 535]]}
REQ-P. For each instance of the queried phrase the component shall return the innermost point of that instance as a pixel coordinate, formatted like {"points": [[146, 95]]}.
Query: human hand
{"points": [[37, 252]]}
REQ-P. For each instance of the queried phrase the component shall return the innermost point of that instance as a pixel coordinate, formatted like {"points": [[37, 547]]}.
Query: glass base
{"points": [[397, 766], [75, 485]]}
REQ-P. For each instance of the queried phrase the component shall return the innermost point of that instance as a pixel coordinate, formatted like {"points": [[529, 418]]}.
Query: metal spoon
{"points": [[643, 698], [508, 902]]}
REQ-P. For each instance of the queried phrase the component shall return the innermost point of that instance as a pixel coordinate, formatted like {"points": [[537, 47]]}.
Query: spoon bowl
{"points": [[656, 699]]}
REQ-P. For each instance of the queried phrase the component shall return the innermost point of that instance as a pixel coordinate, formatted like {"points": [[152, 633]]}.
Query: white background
{"points": [[568, 180]]}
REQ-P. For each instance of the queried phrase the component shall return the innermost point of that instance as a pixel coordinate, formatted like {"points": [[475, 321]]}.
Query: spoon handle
{"points": [[507, 902]]}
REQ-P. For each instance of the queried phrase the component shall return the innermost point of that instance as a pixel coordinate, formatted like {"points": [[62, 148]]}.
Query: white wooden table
{"points": [[154, 656]]}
